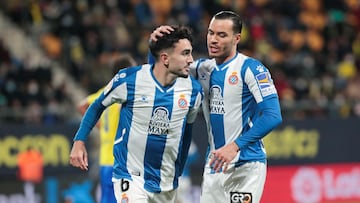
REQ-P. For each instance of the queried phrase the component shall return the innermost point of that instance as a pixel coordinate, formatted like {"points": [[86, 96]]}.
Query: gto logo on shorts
{"points": [[240, 197]]}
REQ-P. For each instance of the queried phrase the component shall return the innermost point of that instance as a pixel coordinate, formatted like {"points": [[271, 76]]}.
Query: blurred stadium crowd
{"points": [[312, 48]]}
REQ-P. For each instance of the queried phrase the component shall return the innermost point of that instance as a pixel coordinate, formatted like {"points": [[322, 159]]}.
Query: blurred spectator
{"points": [[51, 44], [30, 163], [27, 93], [314, 45], [353, 93]]}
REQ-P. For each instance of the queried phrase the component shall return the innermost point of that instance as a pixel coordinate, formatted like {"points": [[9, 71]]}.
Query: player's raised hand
{"points": [[160, 31], [79, 156]]}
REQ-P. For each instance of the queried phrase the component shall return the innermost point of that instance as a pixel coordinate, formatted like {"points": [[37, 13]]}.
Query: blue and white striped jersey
{"points": [[151, 140], [236, 94]]}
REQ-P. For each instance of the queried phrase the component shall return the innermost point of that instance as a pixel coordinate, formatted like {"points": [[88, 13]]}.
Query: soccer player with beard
{"points": [[159, 103], [241, 106]]}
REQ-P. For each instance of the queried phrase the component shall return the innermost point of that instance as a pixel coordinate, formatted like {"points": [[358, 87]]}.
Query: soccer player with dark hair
{"points": [[241, 106], [159, 103]]}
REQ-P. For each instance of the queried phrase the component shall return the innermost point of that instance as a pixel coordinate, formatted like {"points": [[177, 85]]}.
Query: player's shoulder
{"points": [[250, 61], [125, 72], [255, 65], [202, 66], [123, 76], [205, 62], [129, 73]]}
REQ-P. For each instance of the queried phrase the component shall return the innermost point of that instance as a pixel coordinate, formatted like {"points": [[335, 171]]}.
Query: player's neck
{"points": [[221, 60], [163, 76]]}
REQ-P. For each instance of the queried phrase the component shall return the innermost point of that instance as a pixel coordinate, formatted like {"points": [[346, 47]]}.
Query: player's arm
{"points": [[260, 84], [270, 117], [83, 106], [89, 120], [91, 109], [85, 103], [78, 154]]}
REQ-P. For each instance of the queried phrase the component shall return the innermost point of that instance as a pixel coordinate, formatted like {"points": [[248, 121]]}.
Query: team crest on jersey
{"points": [[233, 78], [159, 123], [108, 87], [265, 83], [216, 100], [182, 102]]}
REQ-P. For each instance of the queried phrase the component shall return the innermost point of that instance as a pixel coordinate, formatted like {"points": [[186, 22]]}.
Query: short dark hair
{"points": [[235, 18], [168, 40]]}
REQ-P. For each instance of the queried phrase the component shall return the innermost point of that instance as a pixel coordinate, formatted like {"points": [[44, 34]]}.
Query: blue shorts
{"points": [[107, 187]]}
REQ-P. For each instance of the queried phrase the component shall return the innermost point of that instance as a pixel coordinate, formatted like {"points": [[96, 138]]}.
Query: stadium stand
{"points": [[312, 46], [34, 89]]}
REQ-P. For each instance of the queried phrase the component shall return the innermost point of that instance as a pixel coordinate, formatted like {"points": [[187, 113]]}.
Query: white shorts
{"points": [[184, 189], [127, 191], [243, 184]]}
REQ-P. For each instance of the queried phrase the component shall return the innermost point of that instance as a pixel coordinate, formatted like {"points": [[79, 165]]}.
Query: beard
{"points": [[183, 75]]}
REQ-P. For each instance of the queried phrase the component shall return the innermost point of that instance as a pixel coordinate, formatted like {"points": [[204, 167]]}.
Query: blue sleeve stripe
{"points": [[89, 120], [270, 118]]}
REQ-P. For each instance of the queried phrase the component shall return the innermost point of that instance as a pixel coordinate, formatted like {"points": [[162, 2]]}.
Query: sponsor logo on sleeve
{"points": [[265, 83]]}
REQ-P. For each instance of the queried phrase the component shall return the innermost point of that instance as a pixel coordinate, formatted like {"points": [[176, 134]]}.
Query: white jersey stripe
{"points": [[231, 92], [148, 144]]}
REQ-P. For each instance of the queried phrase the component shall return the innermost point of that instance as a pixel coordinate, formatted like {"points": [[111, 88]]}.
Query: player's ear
{"points": [[164, 58], [237, 38]]}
